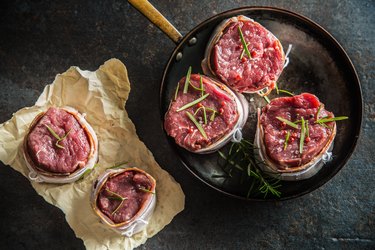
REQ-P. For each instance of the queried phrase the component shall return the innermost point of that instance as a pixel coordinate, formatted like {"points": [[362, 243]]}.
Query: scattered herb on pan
{"points": [[187, 81], [59, 139], [196, 123], [244, 42], [278, 91], [115, 196], [241, 159]]}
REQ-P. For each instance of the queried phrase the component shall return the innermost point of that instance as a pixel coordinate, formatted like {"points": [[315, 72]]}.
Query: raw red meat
{"points": [[131, 186], [182, 129], [41, 144], [247, 74], [293, 109]]}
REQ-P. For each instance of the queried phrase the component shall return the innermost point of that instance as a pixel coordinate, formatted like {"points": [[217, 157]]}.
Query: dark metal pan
{"points": [[318, 64]]}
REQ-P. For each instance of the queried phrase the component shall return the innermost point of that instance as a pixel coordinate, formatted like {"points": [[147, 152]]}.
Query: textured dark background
{"points": [[39, 39]]}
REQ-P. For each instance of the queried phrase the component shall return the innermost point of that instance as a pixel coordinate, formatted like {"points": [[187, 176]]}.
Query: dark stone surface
{"points": [[39, 39]]}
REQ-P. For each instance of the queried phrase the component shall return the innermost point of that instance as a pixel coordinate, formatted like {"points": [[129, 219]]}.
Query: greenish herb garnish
{"points": [[204, 113], [187, 81], [241, 158], [244, 42], [331, 119], [175, 93], [317, 112], [243, 51], [87, 172], [293, 125], [115, 196], [146, 190], [282, 90], [267, 99], [54, 134], [212, 118], [196, 123], [190, 104], [286, 140], [302, 136], [201, 84]]}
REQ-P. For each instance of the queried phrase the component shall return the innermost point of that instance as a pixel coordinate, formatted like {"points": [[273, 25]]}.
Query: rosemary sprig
{"points": [[286, 92], [292, 124], [115, 196], [212, 118], [204, 113], [302, 136], [286, 140], [54, 134], [331, 119], [176, 92], [87, 172], [243, 51], [146, 190], [187, 81], [267, 99], [244, 42], [190, 104], [240, 157], [282, 90], [201, 84], [196, 123]]}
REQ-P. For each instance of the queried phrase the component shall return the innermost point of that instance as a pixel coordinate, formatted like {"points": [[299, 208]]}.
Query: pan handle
{"points": [[149, 11]]}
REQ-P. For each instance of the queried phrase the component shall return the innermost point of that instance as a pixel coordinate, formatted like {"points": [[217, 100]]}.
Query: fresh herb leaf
{"points": [[243, 51], [286, 139], [293, 125], [302, 136], [115, 196], [240, 157], [196, 123], [267, 99], [244, 42], [175, 93], [146, 190], [286, 92], [201, 84], [187, 81], [190, 104], [54, 134], [338, 118]]}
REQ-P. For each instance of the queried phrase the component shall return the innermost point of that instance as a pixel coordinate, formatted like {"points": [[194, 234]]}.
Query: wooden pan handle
{"points": [[149, 11]]}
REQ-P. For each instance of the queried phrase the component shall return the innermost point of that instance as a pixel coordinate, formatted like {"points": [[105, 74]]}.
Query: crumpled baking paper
{"points": [[101, 95]]}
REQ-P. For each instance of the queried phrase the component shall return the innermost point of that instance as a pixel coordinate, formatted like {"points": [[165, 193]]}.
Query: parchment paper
{"points": [[101, 95]]}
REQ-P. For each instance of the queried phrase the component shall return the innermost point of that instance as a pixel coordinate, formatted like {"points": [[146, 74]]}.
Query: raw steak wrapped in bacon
{"points": [[244, 55], [294, 136], [204, 114], [60, 146]]}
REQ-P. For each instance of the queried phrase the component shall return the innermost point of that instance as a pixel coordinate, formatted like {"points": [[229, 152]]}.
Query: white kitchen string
{"points": [[327, 156], [237, 135], [287, 56]]}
